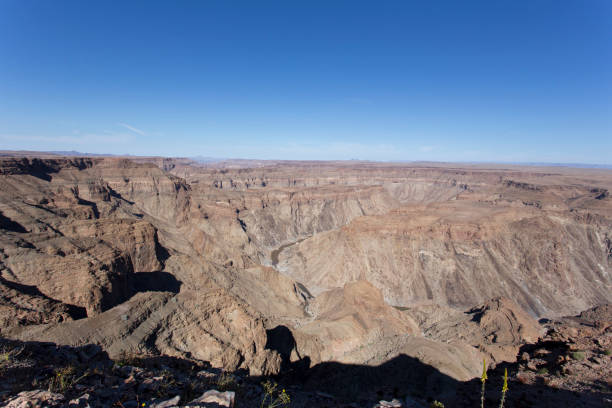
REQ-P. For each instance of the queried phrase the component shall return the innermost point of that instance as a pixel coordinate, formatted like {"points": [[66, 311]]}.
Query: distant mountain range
{"points": [[206, 159]]}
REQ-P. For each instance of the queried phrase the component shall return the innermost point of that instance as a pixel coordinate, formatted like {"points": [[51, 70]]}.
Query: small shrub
{"points": [[272, 397], [578, 355], [64, 379], [128, 359], [8, 355], [436, 404], [542, 371], [226, 382], [168, 382], [607, 352], [5, 360]]}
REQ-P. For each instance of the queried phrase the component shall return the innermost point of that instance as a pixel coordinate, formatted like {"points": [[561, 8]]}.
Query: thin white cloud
{"points": [[80, 139], [306, 151], [132, 128]]}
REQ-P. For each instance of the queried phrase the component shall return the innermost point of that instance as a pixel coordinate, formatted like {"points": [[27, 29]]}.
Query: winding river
{"points": [[276, 253]]}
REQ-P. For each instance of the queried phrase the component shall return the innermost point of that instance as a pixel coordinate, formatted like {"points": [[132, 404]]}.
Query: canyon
{"points": [[272, 267]]}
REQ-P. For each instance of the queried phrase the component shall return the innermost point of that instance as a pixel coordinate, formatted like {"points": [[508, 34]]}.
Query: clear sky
{"points": [[489, 80]]}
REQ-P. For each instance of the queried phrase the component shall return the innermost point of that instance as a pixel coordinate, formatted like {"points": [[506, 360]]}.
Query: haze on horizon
{"points": [[510, 81]]}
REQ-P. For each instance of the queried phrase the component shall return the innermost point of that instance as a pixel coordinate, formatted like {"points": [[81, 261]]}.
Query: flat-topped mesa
{"points": [[42, 167]]}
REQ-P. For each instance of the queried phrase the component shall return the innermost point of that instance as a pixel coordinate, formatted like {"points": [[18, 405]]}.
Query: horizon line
{"points": [[211, 159]]}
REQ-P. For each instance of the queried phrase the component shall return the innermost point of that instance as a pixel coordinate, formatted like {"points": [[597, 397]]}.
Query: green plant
{"points": [[272, 397], [64, 379], [5, 357], [168, 382], [226, 382], [607, 352], [8, 354], [578, 355], [542, 371], [436, 404], [483, 380], [128, 359], [504, 389]]}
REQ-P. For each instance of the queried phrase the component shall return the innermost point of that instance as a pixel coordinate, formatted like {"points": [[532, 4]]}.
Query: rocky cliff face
{"points": [[82, 239], [458, 255], [75, 244]]}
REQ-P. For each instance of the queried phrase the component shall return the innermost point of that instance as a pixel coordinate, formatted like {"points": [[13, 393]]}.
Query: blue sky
{"points": [[517, 81]]}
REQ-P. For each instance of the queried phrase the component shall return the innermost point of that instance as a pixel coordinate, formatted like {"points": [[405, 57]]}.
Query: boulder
{"points": [[35, 399]]}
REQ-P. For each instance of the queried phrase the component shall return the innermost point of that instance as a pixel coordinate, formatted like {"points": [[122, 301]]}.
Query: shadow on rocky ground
{"points": [[75, 312], [86, 376], [155, 282], [7, 224]]}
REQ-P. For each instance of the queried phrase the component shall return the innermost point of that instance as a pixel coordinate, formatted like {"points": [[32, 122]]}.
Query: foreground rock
{"points": [[214, 398], [35, 399], [210, 326], [570, 366]]}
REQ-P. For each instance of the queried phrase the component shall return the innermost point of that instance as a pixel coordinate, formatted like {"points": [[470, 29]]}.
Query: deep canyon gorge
{"points": [[265, 265]]}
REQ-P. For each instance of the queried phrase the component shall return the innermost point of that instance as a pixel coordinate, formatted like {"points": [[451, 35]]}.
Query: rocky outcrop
{"points": [[41, 167], [22, 305], [155, 192], [35, 398], [503, 322], [570, 361], [498, 328], [94, 276], [281, 217], [137, 239], [274, 295], [209, 326], [78, 241], [349, 319]]}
